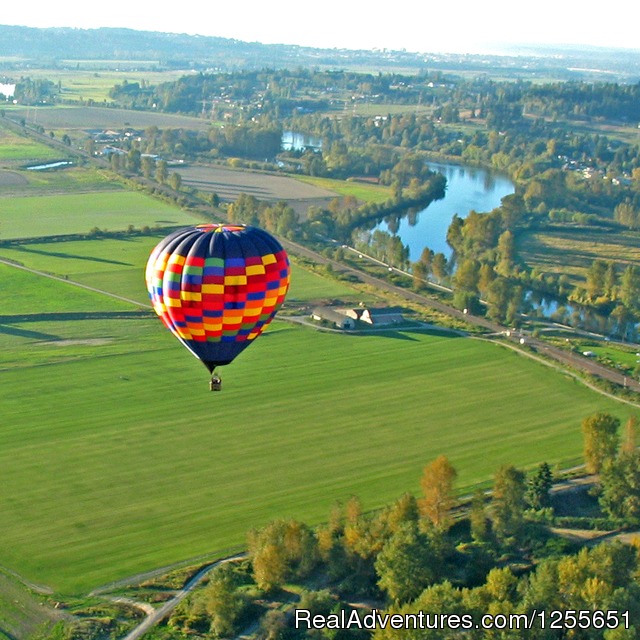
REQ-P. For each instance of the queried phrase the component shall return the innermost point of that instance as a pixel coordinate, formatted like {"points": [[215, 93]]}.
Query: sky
{"points": [[421, 26]]}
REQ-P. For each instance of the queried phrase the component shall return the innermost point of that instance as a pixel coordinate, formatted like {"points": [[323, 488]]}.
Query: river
{"points": [[468, 189]]}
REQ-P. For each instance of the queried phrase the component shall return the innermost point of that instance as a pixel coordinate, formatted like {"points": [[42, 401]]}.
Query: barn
{"points": [[377, 316], [340, 320]]}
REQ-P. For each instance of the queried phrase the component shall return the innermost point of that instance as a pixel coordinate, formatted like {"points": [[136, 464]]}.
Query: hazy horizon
{"points": [[491, 27]]}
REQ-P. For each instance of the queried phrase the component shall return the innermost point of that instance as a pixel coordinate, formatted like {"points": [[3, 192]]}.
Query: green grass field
{"points": [[71, 179], [615, 354], [115, 458], [116, 265], [18, 148], [37, 216], [361, 190], [85, 80]]}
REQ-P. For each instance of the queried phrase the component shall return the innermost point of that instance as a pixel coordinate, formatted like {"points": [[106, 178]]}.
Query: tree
{"points": [[147, 165], [406, 564], [439, 267], [175, 181], [626, 214], [538, 487], [437, 492], [499, 298], [610, 280], [506, 252], [630, 287], [116, 161], [90, 146], [486, 276], [478, 517], [508, 502], [630, 440], [404, 510], [162, 172], [620, 483], [600, 436], [420, 275], [596, 278], [133, 161], [467, 275], [282, 549], [224, 602]]}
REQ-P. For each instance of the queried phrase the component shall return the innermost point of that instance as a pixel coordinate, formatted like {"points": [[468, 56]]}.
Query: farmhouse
{"points": [[377, 316], [340, 320], [347, 318]]}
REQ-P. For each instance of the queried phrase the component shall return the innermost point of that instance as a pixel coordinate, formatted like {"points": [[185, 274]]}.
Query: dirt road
{"points": [[157, 615]]}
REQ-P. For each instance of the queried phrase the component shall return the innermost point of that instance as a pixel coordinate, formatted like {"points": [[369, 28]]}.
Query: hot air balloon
{"points": [[216, 287]]}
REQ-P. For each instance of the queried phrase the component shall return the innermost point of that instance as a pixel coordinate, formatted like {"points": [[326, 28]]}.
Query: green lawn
{"points": [[29, 217], [70, 179], [22, 293], [308, 286], [115, 458], [615, 354]]}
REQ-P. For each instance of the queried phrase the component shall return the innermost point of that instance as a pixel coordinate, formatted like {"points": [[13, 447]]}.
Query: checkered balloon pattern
{"points": [[217, 286]]}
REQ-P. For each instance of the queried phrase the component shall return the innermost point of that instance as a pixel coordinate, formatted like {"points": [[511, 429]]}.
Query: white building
{"points": [[7, 90]]}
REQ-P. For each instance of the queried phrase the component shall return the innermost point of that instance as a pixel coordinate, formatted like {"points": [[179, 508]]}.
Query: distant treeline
{"points": [[283, 93]]}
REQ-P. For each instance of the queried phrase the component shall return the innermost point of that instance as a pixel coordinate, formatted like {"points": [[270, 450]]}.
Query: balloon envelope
{"points": [[217, 286]]}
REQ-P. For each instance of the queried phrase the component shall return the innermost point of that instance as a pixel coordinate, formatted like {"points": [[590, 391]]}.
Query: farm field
{"points": [[49, 215], [15, 148], [229, 184], [361, 190], [116, 265], [83, 117], [115, 458], [573, 252], [95, 78]]}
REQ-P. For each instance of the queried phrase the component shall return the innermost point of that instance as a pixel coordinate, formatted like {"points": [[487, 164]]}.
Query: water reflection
{"points": [[294, 141], [468, 188]]}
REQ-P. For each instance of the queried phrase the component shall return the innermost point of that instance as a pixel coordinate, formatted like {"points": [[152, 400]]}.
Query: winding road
{"points": [[157, 615]]}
